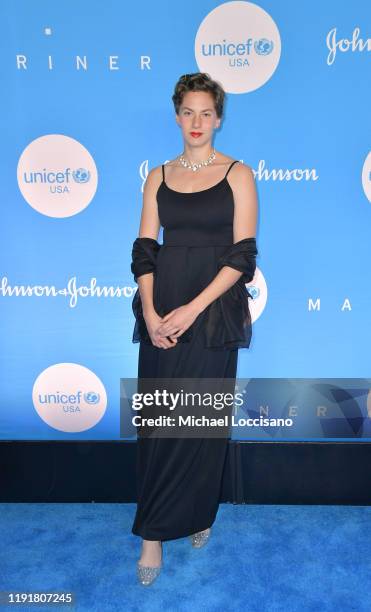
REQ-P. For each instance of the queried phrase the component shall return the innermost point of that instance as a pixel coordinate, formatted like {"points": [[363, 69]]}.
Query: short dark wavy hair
{"points": [[199, 81]]}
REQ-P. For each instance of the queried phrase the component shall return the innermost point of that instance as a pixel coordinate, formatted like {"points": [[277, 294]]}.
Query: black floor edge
{"points": [[255, 472]]}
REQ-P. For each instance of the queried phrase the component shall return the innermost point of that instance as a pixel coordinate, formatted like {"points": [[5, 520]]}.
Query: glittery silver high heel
{"points": [[200, 538], [147, 575]]}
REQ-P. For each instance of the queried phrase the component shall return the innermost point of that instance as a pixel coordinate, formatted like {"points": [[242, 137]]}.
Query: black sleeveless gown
{"points": [[179, 479]]}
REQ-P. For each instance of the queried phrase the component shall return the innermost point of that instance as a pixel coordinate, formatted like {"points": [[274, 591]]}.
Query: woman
{"points": [[192, 312]]}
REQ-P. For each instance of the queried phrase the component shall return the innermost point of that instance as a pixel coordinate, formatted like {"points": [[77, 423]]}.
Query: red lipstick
{"points": [[196, 134]]}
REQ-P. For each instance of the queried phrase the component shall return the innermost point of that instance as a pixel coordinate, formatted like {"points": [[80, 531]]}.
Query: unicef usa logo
{"points": [[57, 175], [69, 397], [238, 44], [58, 181]]}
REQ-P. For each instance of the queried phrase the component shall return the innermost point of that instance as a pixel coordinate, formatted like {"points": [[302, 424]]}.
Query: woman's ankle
{"points": [[151, 554]]}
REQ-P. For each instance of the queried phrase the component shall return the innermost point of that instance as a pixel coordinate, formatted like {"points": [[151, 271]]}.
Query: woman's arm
{"points": [[241, 179], [241, 255], [149, 228], [147, 249]]}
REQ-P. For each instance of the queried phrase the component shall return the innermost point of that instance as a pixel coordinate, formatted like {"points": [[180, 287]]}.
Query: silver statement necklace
{"points": [[197, 166]]}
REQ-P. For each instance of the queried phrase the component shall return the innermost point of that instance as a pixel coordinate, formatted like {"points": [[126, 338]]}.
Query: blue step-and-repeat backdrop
{"points": [[86, 112]]}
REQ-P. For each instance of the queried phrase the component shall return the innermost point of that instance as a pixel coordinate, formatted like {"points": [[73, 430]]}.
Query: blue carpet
{"points": [[259, 558]]}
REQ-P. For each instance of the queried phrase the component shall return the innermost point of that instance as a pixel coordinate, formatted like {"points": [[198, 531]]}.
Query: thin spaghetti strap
{"points": [[235, 162], [163, 173]]}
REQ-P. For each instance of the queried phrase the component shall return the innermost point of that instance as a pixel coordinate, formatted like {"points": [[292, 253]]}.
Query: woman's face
{"points": [[197, 117]]}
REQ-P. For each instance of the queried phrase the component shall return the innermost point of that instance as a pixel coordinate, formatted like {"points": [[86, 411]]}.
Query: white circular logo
{"points": [[69, 397], [366, 177], [57, 176], [239, 45]]}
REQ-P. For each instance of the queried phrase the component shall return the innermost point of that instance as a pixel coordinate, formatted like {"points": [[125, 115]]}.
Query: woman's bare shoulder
{"points": [[242, 170], [154, 178], [241, 178], [173, 162]]}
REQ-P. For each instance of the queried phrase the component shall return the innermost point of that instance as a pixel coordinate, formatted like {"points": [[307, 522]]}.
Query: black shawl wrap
{"points": [[227, 319]]}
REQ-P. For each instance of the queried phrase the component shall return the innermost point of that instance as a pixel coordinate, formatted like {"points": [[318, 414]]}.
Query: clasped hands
{"points": [[164, 331]]}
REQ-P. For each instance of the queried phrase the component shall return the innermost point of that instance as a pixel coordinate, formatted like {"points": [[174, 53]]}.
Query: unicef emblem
{"points": [[253, 291], [91, 397], [81, 175], [263, 46]]}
